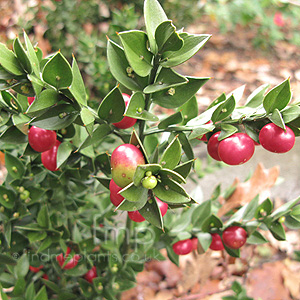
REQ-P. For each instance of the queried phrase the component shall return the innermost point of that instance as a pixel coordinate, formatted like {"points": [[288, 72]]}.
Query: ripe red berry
{"points": [[275, 139], [236, 149], [195, 243], [183, 247], [124, 161], [136, 216], [72, 263], [30, 100], [163, 206], [234, 237], [91, 274], [115, 198], [49, 157], [45, 276], [126, 122], [216, 242], [213, 145], [35, 269], [40, 139]]}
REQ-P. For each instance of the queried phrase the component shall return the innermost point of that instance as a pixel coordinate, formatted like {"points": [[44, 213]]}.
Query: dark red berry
{"points": [[115, 198], [91, 274], [216, 242], [183, 247], [234, 237], [213, 145], [49, 157], [40, 139]]}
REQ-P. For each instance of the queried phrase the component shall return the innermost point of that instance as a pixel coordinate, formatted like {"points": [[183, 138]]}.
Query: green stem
{"points": [[126, 242]]}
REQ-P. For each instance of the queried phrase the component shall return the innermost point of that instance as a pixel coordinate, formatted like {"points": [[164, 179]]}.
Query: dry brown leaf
{"points": [[262, 180], [291, 277]]}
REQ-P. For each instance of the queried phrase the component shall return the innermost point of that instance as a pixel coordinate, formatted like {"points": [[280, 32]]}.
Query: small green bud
{"points": [[21, 189], [281, 219], [139, 110], [171, 91], [25, 195], [4, 196], [114, 269], [116, 286], [148, 173], [16, 215], [14, 169], [2, 209]]}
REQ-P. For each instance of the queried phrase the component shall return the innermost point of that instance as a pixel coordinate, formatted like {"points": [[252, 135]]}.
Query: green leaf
{"points": [[174, 258], [172, 154], [104, 181], [250, 211], [204, 239], [192, 43], [135, 47], [134, 193], [42, 294], [7, 260], [103, 161], [13, 135], [77, 87], [136, 109], [212, 222], [57, 72], [43, 217], [276, 118], [265, 208], [166, 79], [177, 96], [168, 195], [224, 110], [201, 130], [51, 285], [291, 113], [189, 110], [277, 231], [22, 266], [32, 55], [252, 132], [284, 209], [45, 244], [171, 174], [166, 37], [174, 186], [36, 236], [132, 206], [57, 117], [45, 99], [135, 140], [87, 118], [200, 213], [142, 169], [186, 146], [256, 238], [278, 97], [22, 56], [120, 68], [97, 135], [152, 214], [292, 222], [30, 291], [7, 197], [257, 96], [226, 131], [19, 288], [9, 61], [232, 252], [112, 106], [176, 118], [14, 166], [184, 169], [153, 15]]}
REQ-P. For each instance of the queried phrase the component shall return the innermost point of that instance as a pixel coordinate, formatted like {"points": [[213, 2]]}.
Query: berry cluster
{"points": [[239, 147]]}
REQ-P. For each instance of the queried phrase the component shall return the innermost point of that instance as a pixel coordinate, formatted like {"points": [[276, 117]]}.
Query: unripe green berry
{"points": [[149, 182], [14, 169], [148, 173], [281, 219], [25, 195], [114, 269]]}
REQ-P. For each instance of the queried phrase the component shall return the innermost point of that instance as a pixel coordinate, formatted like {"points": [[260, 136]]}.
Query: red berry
{"points": [[163, 206], [124, 161], [49, 157], [35, 269], [275, 139], [115, 198], [236, 149], [60, 259], [72, 263], [30, 100], [183, 247], [234, 237], [213, 145], [216, 242], [40, 139], [126, 122], [91, 274], [136, 216], [45, 276], [278, 19], [195, 243]]}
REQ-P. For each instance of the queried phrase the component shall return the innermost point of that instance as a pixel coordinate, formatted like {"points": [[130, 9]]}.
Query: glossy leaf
{"points": [[278, 97], [252, 132], [292, 222], [168, 195], [257, 96], [176, 118], [177, 96], [172, 155], [153, 15], [13, 135], [134, 193], [57, 72], [132, 206], [171, 174], [42, 294], [32, 55], [166, 37], [224, 110], [184, 169], [192, 43], [112, 106], [7, 260], [189, 110], [166, 78], [152, 214], [256, 238], [9, 61], [14, 166], [135, 48], [7, 197], [186, 146], [204, 239], [212, 222], [120, 68], [44, 100], [284, 209], [57, 117], [77, 87], [103, 161], [200, 213], [277, 231], [232, 252], [226, 131], [169, 183], [63, 152], [291, 113], [265, 208], [201, 130], [22, 56], [277, 119], [22, 266]]}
